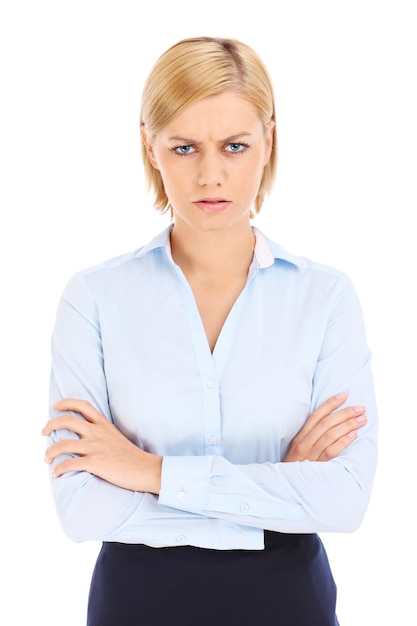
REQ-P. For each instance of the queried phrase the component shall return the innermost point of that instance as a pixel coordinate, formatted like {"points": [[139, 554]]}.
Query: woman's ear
{"points": [[148, 146], [269, 140]]}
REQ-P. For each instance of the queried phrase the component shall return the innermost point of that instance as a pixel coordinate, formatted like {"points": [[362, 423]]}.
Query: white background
{"points": [[72, 194]]}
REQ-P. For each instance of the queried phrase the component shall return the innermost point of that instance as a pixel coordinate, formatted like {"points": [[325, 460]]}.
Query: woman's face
{"points": [[211, 159]]}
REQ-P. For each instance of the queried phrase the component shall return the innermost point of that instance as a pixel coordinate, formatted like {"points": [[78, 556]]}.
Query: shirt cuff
{"points": [[184, 483]]}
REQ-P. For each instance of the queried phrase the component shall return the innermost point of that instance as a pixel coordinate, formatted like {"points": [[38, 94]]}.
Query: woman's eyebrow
{"points": [[233, 138], [194, 142], [184, 140]]}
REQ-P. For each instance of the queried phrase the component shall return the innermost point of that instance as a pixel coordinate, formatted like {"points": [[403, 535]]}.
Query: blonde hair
{"points": [[196, 68]]}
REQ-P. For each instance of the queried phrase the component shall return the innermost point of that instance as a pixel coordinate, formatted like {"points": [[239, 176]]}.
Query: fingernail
{"points": [[361, 419], [359, 409], [340, 396]]}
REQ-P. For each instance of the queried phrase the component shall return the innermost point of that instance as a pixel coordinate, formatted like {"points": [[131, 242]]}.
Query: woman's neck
{"points": [[223, 252]]}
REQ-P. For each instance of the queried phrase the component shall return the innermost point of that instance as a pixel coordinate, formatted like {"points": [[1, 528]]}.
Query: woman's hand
{"points": [[327, 432], [101, 450]]}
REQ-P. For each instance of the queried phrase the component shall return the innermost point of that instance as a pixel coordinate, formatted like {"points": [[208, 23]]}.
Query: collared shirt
{"points": [[129, 339]]}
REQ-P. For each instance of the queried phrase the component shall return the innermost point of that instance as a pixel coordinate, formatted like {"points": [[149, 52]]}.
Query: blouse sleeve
{"points": [[88, 507], [298, 496]]}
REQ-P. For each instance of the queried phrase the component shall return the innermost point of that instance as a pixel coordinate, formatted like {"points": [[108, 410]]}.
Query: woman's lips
{"points": [[212, 205]]}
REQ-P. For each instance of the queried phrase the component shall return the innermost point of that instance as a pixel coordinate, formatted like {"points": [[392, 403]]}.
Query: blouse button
{"points": [[212, 440], [244, 507], [211, 383], [240, 537], [181, 495]]}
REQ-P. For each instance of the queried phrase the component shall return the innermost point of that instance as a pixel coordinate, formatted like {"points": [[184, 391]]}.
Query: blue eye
{"points": [[236, 147], [182, 150]]}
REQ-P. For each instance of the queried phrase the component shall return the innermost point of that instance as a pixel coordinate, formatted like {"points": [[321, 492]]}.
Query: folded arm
{"points": [[106, 487]]}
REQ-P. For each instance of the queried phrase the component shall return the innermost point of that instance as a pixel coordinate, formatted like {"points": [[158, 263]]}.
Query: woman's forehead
{"points": [[226, 115]]}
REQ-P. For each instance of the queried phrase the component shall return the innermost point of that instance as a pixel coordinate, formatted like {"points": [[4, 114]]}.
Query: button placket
{"points": [[212, 413]]}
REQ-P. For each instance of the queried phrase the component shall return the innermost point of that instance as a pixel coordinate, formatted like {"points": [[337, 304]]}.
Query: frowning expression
{"points": [[211, 159]]}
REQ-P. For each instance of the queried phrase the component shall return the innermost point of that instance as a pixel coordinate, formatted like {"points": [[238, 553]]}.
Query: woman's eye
{"points": [[183, 149], [236, 147]]}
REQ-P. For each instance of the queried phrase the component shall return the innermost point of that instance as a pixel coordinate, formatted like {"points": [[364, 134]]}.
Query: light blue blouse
{"points": [[129, 338]]}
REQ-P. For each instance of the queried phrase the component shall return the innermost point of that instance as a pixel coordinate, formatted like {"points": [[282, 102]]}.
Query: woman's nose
{"points": [[211, 170]]}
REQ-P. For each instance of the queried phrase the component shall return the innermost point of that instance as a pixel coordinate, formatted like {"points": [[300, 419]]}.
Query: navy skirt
{"points": [[287, 584]]}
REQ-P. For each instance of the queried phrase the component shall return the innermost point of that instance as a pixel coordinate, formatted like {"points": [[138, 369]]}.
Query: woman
{"points": [[200, 425]]}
